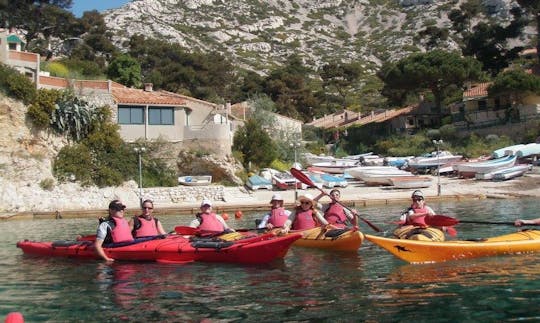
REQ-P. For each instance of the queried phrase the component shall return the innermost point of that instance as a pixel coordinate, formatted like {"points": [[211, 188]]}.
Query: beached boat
{"points": [[472, 168], [528, 150], [504, 173], [336, 167], [431, 251], [411, 182], [312, 159], [376, 179], [257, 182], [331, 181], [195, 180], [432, 160], [333, 239], [360, 172], [285, 181], [506, 151], [173, 249]]}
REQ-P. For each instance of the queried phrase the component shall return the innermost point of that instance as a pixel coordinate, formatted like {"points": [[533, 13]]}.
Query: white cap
{"points": [[206, 202], [276, 197], [306, 197], [418, 193]]}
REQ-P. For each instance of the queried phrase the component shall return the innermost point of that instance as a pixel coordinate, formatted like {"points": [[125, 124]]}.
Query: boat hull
{"points": [[320, 238], [173, 249], [430, 251]]}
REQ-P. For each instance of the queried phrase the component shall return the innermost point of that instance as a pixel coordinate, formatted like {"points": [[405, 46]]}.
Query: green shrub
{"points": [[57, 69], [47, 184], [41, 110], [21, 88]]}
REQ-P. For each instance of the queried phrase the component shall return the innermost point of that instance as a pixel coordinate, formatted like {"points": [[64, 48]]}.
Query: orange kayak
{"points": [[414, 251], [332, 239]]}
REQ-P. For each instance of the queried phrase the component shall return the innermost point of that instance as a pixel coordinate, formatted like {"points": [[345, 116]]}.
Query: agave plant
{"points": [[73, 117]]}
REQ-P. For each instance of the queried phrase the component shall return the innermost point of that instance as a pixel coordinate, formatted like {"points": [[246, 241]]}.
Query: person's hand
{"points": [[269, 226], [519, 222], [354, 212]]}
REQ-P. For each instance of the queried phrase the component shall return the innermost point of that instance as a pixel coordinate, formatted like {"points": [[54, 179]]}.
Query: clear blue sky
{"points": [[80, 6]]}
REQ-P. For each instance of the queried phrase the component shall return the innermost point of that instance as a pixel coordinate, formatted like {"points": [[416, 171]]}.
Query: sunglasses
{"points": [[147, 208], [416, 199], [305, 203]]}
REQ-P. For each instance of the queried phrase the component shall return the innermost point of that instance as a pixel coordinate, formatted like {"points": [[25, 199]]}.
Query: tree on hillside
{"points": [[340, 80], [437, 71], [126, 70], [168, 66], [255, 145], [516, 85], [35, 17], [533, 8], [288, 87]]}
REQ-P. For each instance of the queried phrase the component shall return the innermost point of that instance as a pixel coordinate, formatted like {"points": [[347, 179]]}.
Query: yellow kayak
{"points": [[415, 251], [330, 239]]}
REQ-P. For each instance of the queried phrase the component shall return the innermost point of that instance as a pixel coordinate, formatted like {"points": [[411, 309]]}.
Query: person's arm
{"points": [[160, 228], [98, 245], [287, 225], [264, 221], [225, 226], [520, 222], [101, 234], [195, 223], [320, 217]]}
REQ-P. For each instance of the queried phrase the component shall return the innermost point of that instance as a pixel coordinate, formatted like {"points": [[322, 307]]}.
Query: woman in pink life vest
{"points": [[336, 215], [277, 216], [305, 216], [208, 221], [417, 212], [146, 225], [113, 229]]}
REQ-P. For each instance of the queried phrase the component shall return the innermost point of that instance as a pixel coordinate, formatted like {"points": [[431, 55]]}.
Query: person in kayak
{"points": [[336, 215], [305, 216], [412, 222], [115, 228], [277, 216], [417, 212], [520, 222], [207, 220], [146, 225]]}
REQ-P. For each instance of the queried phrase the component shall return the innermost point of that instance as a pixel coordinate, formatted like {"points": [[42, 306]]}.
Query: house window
{"points": [[482, 105], [161, 116], [12, 46], [131, 115], [497, 104]]}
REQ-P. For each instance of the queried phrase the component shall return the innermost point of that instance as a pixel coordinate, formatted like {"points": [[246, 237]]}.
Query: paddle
{"points": [[442, 220], [306, 180]]}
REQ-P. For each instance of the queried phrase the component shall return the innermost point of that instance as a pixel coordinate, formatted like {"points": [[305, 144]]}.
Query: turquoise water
{"points": [[308, 285]]}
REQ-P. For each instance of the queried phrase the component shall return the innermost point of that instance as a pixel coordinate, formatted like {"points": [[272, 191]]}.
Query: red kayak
{"points": [[173, 248]]}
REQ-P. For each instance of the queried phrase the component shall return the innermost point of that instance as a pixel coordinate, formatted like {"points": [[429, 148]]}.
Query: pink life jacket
{"points": [[209, 222], [278, 217], [304, 220], [419, 221], [145, 227], [336, 215], [121, 231]]}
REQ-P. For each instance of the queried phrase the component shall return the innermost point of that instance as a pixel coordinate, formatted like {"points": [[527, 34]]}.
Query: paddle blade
{"points": [[440, 221], [451, 231], [299, 175]]}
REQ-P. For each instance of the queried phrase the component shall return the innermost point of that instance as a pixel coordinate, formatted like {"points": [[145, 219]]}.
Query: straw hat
{"points": [[276, 197], [306, 197]]}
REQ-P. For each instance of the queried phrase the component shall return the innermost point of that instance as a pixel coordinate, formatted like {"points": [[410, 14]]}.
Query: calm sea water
{"points": [[308, 285]]}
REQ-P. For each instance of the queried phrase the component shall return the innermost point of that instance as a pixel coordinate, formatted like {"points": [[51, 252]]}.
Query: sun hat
{"points": [[206, 202], [276, 197], [116, 205], [417, 193], [306, 197]]}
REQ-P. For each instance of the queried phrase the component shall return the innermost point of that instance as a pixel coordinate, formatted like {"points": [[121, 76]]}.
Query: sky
{"points": [[80, 6]]}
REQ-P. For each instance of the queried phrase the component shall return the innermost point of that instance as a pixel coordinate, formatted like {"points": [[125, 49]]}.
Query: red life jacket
{"points": [[143, 227], [304, 220], [121, 231], [278, 217], [209, 222], [419, 221], [336, 215]]}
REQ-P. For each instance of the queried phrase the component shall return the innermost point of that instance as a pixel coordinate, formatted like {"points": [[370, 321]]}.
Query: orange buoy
{"points": [[14, 317], [225, 216], [238, 214]]}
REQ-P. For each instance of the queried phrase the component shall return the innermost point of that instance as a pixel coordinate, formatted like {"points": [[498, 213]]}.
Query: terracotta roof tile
{"points": [[136, 96], [477, 90]]}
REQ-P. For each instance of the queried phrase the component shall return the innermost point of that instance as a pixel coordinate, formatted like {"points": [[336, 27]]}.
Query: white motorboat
{"points": [[411, 182], [200, 180], [257, 182], [506, 151], [433, 160], [472, 168], [361, 171], [336, 166], [504, 173]]}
